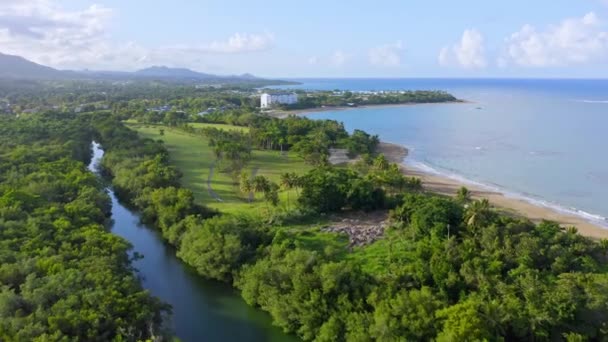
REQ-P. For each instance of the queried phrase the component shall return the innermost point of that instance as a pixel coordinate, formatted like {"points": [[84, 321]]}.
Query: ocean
{"points": [[543, 140]]}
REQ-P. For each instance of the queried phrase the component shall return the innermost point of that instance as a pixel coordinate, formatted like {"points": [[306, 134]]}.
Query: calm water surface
{"points": [[541, 140]]}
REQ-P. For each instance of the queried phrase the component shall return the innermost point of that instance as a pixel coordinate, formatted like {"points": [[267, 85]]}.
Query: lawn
{"points": [[192, 155], [219, 126]]}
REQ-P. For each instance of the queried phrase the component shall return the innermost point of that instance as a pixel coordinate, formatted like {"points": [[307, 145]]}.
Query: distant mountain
{"points": [[247, 77], [19, 67], [183, 73], [166, 72], [16, 67]]}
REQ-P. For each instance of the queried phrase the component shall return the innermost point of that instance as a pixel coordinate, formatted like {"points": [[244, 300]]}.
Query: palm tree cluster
{"points": [[259, 184], [290, 180], [478, 214]]}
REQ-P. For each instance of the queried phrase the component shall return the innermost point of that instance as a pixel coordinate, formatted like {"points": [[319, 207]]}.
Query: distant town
{"points": [[95, 96]]}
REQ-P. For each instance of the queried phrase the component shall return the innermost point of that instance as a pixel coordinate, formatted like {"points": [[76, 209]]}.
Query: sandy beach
{"points": [[448, 186]]}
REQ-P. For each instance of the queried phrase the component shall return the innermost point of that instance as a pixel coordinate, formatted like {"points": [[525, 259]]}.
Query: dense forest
{"points": [[446, 269], [63, 275]]}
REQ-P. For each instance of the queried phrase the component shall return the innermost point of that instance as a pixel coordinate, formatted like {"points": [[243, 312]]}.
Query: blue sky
{"points": [[382, 38]]}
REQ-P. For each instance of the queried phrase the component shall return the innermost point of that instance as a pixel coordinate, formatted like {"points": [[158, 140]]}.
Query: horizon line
{"points": [[603, 78]]}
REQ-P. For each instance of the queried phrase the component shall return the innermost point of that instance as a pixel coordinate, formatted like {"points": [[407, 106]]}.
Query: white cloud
{"points": [[444, 56], [46, 33], [312, 60], [41, 31], [386, 55], [573, 41], [338, 58], [468, 53], [241, 42]]}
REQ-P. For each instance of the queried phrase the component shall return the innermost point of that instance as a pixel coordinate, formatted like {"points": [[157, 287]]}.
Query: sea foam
{"points": [[529, 198], [592, 101]]}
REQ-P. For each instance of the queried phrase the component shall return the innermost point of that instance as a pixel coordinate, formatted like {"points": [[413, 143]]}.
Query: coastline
{"points": [[281, 114], [445, 185]]}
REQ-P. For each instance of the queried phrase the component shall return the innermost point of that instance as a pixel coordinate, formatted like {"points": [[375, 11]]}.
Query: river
{"points": [[203, 310]]}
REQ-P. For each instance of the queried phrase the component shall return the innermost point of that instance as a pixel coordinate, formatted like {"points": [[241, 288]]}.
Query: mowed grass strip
{"points": [[219, 126], [193, 156]]}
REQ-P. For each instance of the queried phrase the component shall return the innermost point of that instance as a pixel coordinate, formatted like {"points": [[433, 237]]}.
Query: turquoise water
{"points": [[541, 140]]}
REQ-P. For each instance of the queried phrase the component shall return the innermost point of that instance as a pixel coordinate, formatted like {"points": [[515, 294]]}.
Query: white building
{"points": [[267, 100]]}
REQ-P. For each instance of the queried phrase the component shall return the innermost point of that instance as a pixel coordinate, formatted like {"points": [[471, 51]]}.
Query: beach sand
{"points": [[448, 186]]}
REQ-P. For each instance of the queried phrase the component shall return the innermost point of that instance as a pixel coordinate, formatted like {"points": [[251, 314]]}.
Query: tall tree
{"points": [[288, 181], [381, 163], [245, 183], [260, 184], [478, 214], [463, 195]]}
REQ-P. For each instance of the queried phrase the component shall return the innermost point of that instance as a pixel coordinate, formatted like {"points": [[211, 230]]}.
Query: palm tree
{"points": [[281, 143], [604, 246], [478, 214], [245, 183], [271, 194], [274, 134], [572, 230], [381, 163], [298, 182], [259, 184], [463, 195], [415, 184], [289, 180]]}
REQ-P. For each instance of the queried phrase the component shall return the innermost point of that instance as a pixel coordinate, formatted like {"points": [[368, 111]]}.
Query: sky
{"points": [[315, 38]]}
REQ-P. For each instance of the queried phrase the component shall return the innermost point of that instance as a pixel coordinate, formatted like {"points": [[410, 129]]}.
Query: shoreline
{"points": [[511, 205], [515, 205], [281, 114]]}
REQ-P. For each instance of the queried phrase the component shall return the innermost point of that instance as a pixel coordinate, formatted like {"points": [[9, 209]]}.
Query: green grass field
{"points": [[219, 126], [376, 257], [192, 155]]}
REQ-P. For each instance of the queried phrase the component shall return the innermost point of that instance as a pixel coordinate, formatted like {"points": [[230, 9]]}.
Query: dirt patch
{"points": [[361, 228], [339, 156]]}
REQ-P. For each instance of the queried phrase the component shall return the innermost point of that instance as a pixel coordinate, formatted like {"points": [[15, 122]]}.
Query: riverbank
{"points": [[201, 309], [285, 113], [448, 186]]}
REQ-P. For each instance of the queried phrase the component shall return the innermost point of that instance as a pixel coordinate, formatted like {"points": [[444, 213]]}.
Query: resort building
{"points": [[268, 100]]}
